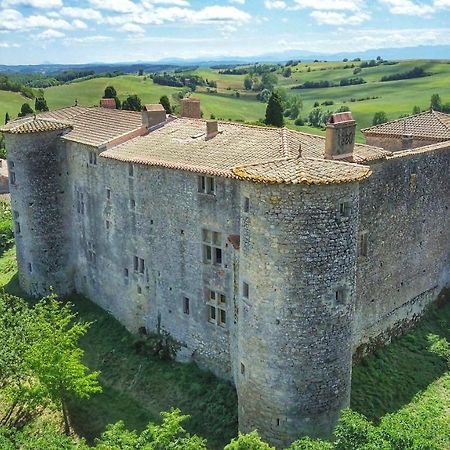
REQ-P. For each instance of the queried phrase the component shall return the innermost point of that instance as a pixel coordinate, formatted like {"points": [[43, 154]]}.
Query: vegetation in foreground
{"points": [[411, 374]]}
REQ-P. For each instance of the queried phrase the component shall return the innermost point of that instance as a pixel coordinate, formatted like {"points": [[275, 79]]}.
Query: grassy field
{"points": [[405, 375], [395, 97]]}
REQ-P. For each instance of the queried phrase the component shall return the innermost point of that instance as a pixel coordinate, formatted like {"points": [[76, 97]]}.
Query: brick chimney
{"points": [[212, 129], [190, 107], [340, 136], [109, 103], [153, 114]]}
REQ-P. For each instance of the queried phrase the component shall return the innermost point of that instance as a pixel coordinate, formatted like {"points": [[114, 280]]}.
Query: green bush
{"points": [[6, 229]]}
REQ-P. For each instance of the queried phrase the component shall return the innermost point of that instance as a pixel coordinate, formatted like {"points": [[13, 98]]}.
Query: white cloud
{"points": [[338, 18], [239, 2], [50, 34], [132, 28], [409, 8], [220, 13], [275, 4], [87, 39], [331, 5], [8, 45], [45, 4], [120, 6], [79, 24], [81, 13]]}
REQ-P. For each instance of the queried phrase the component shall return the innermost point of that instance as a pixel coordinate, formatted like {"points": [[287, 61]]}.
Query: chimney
{"points": [[340, 136], [407, 141], [109, 103], [190, 107], [212, 129], [153, 114]]}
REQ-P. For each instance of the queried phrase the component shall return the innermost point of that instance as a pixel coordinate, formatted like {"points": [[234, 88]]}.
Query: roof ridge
{"points": [[400, 119], [438, 115]]}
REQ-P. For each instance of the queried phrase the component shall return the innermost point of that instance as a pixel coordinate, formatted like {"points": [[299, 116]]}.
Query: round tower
{"points": [[41, 212], [297, 277]]}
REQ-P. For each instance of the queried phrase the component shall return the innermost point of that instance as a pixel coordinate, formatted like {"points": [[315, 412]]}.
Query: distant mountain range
{"points": [[420, 52]]}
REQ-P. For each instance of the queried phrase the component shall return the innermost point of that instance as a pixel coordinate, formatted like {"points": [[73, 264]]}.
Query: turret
{"points": [[297, 282], [38, 176]]}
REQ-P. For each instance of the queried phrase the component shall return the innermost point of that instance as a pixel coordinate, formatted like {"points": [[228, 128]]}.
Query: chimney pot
{"points": [[340, 136], [153, 114], [212, 128], [190, 107]]}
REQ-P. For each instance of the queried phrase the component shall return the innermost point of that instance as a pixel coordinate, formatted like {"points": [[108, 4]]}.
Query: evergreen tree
{"points": [[164, 100], [436, 102], [7, 119], [416, 110], [132, 103], [110, 92], [248, 83], [40, 104], [274, 111], [25, 110]]}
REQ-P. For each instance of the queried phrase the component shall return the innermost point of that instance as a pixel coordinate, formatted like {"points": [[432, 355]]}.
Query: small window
{"points": [[245, 290], [341, 296], [93, 158], [242, 369], [216, 307], [16, 214], [17, 226], [207, 185], [125, 272], [11, 164], [139, 290], [12, 177], [108, 194], [131, 170], [132, 203], [108, 224], [136, 263], [363, 244], [186, 306], [30, 267], [246, 204], [212, 314], [141, 265], [344, 209], [222, 317]]}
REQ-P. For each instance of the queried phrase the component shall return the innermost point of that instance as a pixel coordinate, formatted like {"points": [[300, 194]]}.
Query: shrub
{"points": [[6, 228], [250, 441]]}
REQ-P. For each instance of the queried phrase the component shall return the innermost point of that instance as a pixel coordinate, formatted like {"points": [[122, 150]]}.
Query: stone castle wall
{"points": [[395, 144]]}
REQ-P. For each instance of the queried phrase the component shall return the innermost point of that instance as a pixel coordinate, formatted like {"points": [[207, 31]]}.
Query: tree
{"points": [[7, 119], [164, 100], [436, 102], [268, 81], [248, 83], [274, 111], [379, 118], [287, 72], [25, 110], [40, 104], [317, 117], [110, 92], [54, 355], [250, 441], [132, 103], [141, 72], [416, 110]]}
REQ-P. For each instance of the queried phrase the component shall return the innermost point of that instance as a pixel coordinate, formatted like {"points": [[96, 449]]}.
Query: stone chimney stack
{"points": [[340, 136], [407, 141], [212, 129], [190, 107], [153, 114]]}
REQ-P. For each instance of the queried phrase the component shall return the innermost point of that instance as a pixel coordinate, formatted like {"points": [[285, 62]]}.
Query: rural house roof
{"points": [[34, 124], [430, 124]]}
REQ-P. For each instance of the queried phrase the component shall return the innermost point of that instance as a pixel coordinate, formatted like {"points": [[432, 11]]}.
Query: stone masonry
{"points": [[270, 260]]}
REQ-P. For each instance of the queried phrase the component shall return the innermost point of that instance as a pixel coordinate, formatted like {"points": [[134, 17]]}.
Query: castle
{"points": [[272, 256]]}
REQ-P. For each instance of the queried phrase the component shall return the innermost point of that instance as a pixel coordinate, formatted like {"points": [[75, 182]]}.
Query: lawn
{"points": [[405, 375]]}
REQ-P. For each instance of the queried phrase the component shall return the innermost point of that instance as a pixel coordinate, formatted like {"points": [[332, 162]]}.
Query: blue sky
{"points": [[79, 31]]}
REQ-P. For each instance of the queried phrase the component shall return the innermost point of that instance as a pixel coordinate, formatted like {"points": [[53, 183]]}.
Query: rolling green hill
{"points": [[395, 97]]}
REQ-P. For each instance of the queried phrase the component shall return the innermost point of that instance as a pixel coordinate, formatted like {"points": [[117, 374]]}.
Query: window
{"points": [[132, 203], [80, 202], [245, 290], [186, 306], [30, 267], [217, 313], [93, 158], [108, 194], [242, 369], [15, 214], [207, 185], [363, 244], [139, 290], [139, 265], [12, 177], [130, 170], [212, 247], [341, 296], [125, 272], [344, 209], [91, 256], [108, 224], [17, 226], [246, 204]]}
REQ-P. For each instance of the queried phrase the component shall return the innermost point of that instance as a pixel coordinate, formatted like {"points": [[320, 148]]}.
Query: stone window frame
{"points": [[108, 224], [131, 170], [245, 291], [92, 157], [246, 205], [139, 265], [186, 306], [363, 244], [212, 247], [341, 295], [12, 173], [207, 185], [217, 307], [91, 254], [80, 202], [17, 227], [132, 204], [30, 267], [242, 369], [344, 208], [108, 194]]}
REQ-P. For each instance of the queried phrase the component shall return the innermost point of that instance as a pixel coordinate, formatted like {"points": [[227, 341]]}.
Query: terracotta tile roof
{"points": [[96, 126], [181, 144], [430, 124], [34, 125], [303, 171]]}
